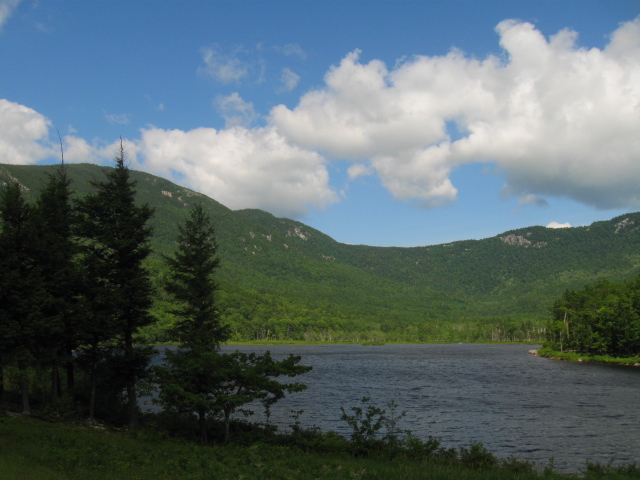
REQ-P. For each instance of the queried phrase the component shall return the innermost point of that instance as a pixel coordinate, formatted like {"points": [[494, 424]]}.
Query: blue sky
{"points": [[401, 123]]}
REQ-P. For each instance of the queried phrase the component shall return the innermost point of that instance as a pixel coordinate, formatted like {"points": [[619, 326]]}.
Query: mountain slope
{"points": [[268, 259]]}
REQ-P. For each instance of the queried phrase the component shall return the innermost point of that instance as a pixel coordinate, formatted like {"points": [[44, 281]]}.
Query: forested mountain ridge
{"points": [[280, 275]]}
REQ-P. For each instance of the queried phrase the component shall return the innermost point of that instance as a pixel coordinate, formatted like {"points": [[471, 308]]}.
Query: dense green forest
{"points": [[601, 319], [282, 280]]}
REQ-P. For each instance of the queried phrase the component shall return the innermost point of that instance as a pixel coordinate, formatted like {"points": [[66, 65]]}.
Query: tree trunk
{"points": [[69, 367], [92, 398], [55, 381], [24, 387], [202, 423], [1, 383], [227, 420], [132, 401]]}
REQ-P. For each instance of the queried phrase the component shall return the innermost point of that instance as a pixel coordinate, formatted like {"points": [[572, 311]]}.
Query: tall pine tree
{"points": [[186, 379], [61, 310], [21, 286], [192, 284], [197, 377], [117, 235]]}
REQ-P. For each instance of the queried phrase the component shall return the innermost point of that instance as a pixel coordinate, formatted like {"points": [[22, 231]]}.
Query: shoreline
{"points": [[585, 358]]}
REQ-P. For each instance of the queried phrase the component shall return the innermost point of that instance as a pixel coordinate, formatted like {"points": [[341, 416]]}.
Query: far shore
{"points": [[363, 343]]}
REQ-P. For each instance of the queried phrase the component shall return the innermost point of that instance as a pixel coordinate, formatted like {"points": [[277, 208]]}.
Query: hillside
{"points": [[284, 279]]}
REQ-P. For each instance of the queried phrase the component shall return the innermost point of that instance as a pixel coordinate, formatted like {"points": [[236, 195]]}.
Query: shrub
{"points": [[477, 457]]}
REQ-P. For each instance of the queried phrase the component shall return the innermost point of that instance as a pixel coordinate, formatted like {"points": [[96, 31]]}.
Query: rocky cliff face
{"points": [[626, 224], [521, 241]]}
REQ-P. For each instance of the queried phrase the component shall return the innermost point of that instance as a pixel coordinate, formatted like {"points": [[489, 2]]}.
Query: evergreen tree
{"points": [[116, 244], [196, 377], [61, 310], [192, 284], [242, 378], [21, 286], [185, 381]]}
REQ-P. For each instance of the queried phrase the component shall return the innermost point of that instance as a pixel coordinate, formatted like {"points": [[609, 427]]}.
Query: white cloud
{"points": [[292, 50], [77, 150], [240, 168], [557, 119], [359, 170], [559, 225], [289, 80], [7, 8], [117, 118], [24, 134], [24, 139], [421, 175], [225, 68], [235, 110]]}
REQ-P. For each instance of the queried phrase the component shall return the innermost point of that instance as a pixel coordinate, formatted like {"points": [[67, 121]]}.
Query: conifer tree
{"points": [[117, 235], [197, 377], [61, 310], [186, 378], [192, 284], [21, 286]]}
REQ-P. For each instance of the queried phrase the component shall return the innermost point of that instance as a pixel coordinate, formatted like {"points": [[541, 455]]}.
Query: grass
{"points": [[38, 450], [585, 357]]}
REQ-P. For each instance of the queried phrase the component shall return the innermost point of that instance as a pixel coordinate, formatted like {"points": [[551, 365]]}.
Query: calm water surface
{"points": [[514, 403]]}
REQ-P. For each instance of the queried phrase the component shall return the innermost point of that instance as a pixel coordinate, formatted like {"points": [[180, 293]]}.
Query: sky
{"points": [[387, 123]]}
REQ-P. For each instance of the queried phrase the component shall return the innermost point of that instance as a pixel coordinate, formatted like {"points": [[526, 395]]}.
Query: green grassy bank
{"points": [[584, 357], [37, 450]]}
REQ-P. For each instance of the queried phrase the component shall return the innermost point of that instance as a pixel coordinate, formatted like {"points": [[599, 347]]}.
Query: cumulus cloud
{"points": [[556, 118], [7, 7], [289, 80], [77, 150], [24, 134], [235, 110], [559, 225], [223, 67], [239, 167]]}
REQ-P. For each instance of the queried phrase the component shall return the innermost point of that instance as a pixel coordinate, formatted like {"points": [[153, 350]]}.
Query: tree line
{"points": [[601, 319], [75, 291]]}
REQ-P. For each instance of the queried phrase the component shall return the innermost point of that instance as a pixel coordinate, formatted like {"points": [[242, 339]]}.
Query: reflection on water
{"points": [[516, 404]]}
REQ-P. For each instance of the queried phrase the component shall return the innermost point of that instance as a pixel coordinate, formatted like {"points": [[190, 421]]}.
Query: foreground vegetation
{"points": [[67, 451]]}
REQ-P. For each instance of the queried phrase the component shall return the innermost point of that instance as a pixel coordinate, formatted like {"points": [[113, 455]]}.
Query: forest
{"points": [[281, 280], [75, 291], [603, 318]]}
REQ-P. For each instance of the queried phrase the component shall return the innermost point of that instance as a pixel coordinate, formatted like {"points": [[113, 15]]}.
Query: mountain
{"points": [[283, 279]]}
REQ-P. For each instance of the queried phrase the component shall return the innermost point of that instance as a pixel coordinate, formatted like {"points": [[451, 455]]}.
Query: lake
{"points": [[514, 403]]}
